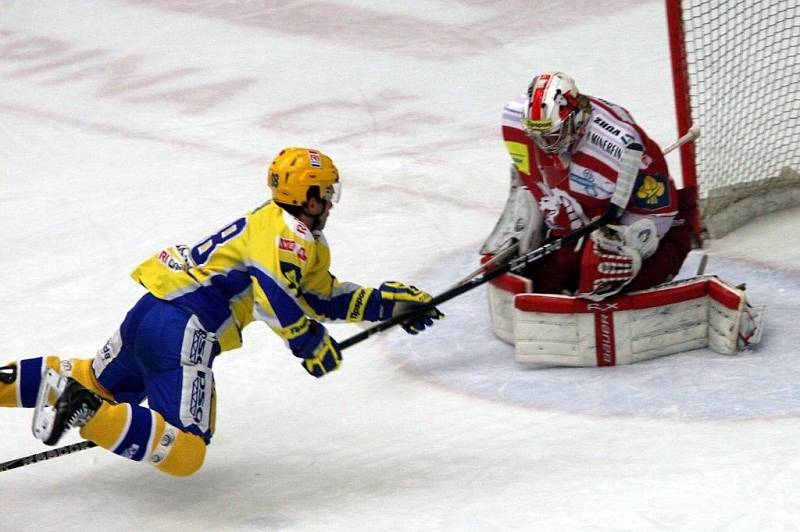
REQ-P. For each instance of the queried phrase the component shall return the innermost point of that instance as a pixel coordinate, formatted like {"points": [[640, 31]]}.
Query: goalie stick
{"points": [[692, 134], [629, 168]]}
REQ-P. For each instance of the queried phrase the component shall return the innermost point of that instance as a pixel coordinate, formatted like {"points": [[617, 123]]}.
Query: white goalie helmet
{"points": [[555, 112]]}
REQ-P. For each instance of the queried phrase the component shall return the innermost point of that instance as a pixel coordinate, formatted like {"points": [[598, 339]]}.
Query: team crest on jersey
{"points": [[561, 211], [651, 193]]}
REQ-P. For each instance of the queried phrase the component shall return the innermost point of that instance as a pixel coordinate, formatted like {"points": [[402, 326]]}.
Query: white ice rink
{"points": [[130, 124]]}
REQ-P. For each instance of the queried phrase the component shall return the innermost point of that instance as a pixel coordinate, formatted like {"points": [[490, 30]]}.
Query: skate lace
{"points": [[80, 417]]}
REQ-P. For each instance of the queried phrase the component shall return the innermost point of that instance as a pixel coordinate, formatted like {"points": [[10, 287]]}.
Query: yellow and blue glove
{"points": [[320, 352], [398, 298]]}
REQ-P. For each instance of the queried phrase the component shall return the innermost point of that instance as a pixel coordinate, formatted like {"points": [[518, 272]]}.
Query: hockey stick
{"points": [[47, 455], [692, 134], [499, 257], [627, 175], [629, 168]]}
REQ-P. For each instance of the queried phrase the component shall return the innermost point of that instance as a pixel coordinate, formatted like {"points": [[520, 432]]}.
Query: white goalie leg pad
{"points": [[671, 318], [502, 290], [734, 324]]}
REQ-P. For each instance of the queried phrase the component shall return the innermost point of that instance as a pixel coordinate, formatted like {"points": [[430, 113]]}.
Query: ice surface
{"points": [[128, 125]]}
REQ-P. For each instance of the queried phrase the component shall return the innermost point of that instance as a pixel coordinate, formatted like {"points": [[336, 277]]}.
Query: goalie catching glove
{"points": [[613, 257], [320, 352], [397, 298]]}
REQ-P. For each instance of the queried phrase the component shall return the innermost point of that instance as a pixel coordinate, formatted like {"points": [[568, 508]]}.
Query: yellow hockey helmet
{"points": [[296, 170]]}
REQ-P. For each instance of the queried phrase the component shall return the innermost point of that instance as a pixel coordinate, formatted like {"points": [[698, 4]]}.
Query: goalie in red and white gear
{"points": [[566, 149]]}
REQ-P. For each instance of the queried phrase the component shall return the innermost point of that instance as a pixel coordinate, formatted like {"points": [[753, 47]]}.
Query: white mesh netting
{"points": [[744, 84]]}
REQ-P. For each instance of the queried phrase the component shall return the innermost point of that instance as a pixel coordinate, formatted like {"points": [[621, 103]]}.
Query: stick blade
{"points": [[628, 170]]}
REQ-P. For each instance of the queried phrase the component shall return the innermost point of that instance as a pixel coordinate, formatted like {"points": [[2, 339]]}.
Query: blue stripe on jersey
{"points": [[286, 308], [29, 379], [210, 303], [333, 308], [134, 444]]}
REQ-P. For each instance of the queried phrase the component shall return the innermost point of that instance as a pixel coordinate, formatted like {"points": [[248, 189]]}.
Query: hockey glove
{"points": [[320, 352], [607, 265], [397, 298]]}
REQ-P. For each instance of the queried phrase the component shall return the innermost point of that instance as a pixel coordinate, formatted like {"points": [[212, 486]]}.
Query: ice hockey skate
{"points": [[72, 406]]}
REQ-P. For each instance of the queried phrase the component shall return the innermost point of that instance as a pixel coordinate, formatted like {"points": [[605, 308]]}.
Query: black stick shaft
{"points": [[46, 455], [475, 282]]}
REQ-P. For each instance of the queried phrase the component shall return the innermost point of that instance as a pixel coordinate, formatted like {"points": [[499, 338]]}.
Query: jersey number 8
{"points": [[202, 251]]}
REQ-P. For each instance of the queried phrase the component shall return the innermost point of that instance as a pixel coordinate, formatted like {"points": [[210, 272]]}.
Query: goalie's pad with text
{"points": [[671, 318]]}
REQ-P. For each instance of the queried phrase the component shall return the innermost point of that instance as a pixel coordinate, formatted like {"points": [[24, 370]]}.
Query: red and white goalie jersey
{"points": [[574, 188]]}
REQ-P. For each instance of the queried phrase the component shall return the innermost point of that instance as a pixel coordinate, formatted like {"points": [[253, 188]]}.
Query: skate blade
{"points": [[45, 413]]}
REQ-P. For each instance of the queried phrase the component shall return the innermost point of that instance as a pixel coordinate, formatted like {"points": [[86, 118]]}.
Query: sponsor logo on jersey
{"points": [[608, 127], [315, 159], [587, 183], [198, 397], [290, 245], [165, 257], [519, 154], [606, 145], [651, 193]]}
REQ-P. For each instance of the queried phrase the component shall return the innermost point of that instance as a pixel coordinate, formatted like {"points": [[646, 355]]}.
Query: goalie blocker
{"points": [[670, 318]]}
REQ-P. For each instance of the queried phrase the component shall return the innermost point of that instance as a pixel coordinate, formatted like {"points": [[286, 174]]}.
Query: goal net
{"points": [[736, 75]]}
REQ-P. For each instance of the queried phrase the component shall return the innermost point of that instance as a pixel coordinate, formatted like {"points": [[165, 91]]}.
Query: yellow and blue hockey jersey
{"points": [[265, 266]]}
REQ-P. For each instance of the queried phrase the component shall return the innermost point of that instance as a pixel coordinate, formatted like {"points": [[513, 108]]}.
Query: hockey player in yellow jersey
{"points": [[270, 265]]}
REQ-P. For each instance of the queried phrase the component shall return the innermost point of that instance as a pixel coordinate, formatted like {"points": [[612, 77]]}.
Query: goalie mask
{"points": [[555, 112], [297, 174]]}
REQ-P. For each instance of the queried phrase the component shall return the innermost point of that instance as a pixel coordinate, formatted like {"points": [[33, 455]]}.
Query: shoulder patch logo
{"points": [[651, 192]]}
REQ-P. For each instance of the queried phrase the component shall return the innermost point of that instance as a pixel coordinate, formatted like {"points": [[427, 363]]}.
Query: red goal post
{"points": [[736, 75]]}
